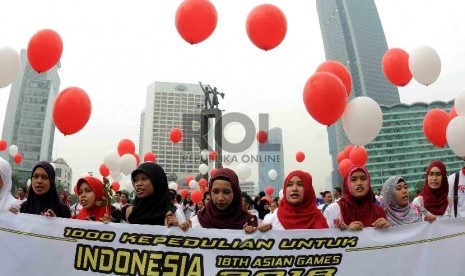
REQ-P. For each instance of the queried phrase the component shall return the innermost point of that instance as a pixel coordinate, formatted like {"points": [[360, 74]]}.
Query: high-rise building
{"points": [[28, 120], [353, 35], [63, 175], [271, 157], [401, 147], [173, 105], [249, 187]]}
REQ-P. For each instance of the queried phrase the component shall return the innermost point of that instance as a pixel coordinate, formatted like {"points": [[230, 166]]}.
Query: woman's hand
{"points": [[105, 219], [380, 223], [185, 225], [429, 217], [355, 226], [170, 219], [249, 229], [14, 210], [264, 227], [49, 213]]}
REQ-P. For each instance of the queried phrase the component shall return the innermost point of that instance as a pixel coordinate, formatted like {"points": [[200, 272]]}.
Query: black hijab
{"points": [[152, 209]]}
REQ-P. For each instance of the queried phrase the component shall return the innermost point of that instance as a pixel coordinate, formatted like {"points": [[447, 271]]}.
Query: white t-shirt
{"points": [[332, 214], [272, 218], [117, 205], [418, 202], [195, 222], [460, 194]]}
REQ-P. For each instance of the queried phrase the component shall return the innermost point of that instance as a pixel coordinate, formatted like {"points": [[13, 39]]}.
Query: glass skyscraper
{"points": [[167, 105], [353, 35], [402, 149], [28, 120], [271, 157]]}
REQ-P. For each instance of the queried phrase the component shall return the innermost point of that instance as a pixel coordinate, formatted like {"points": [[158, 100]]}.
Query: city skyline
{"points": [[115, 61]]}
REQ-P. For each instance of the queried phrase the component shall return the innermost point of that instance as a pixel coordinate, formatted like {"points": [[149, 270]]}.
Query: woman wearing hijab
{"points": [[6, 199], [152, 204], [396, 203], [298, 209], [43, 197], [434, 196], [356, 209], [94, 200], [224, 209]]}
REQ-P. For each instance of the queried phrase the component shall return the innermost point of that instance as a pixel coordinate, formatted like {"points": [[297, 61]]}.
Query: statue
{"points": [[211, 103]]}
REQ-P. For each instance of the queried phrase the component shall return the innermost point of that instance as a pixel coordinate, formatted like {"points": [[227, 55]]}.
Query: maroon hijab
{"points": [[306, 215], [436, 201], [232, 217], [359, 209]]}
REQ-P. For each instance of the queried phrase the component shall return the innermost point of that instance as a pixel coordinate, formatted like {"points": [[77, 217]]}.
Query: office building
{"points": [[271, 156], [249, 187], [28, 120], [173, 105], [401, 147], [63, 175], [353, 35]]}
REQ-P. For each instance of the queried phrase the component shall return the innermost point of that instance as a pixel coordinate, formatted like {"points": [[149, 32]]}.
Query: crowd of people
{"points": [[224, 206]]}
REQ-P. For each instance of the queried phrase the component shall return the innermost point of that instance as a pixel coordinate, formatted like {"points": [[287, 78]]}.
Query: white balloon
{"points": [[362, 120], [127, 163], [111, 160], [28, 182], [281, 194], [424, 64], [243, 171], [128, 186], [203, 169], [13, 150], [272, 174], [9, 66], [115, 175], [173, 185], [204, 154], [193, 184], [459, 104], [455, 135]]}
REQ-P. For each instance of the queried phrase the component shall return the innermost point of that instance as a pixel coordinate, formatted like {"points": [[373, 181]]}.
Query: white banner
{"points": [[36, 245]]}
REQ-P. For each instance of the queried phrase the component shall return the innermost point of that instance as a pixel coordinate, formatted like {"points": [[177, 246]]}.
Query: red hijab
{"points": [[303, 216], [359, 209], [436, 201], [98, 210], [232, 217]]}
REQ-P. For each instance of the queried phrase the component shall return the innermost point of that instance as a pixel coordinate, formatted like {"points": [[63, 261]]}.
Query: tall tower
{"points": [[28, 120], [353, 35], [271, 156], [169, 105]]}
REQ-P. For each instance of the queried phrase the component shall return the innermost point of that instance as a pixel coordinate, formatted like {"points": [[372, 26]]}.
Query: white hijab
{"points": [[6, 199]]}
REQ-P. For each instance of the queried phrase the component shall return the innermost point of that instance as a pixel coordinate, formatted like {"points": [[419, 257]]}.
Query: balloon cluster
{"points": [[423, 64], [12, 150], [442, 128], [351, 156], [196, 20]]}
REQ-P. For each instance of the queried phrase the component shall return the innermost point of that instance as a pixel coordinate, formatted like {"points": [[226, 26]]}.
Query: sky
{"points": [[115, 49]]}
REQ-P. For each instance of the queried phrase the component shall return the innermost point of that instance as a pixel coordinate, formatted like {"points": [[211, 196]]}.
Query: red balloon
{"points": [[395, 67], [346, 151], [300, 156], [262, 136], [196, 196], [340, 156], [188, 179], [212, 172], [269, 190], [126, 146], [345, 166], [149, 156], [115, 186], [104, 170], [325, 97], [452, 115], [338, 69], [71, 110], [435, 126], [359, 156], [3, 145], [44, 50], [213, 155], [266, 26], [196, 20], [203, 182], [176, 134], [18, 158], [184, 193]]}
